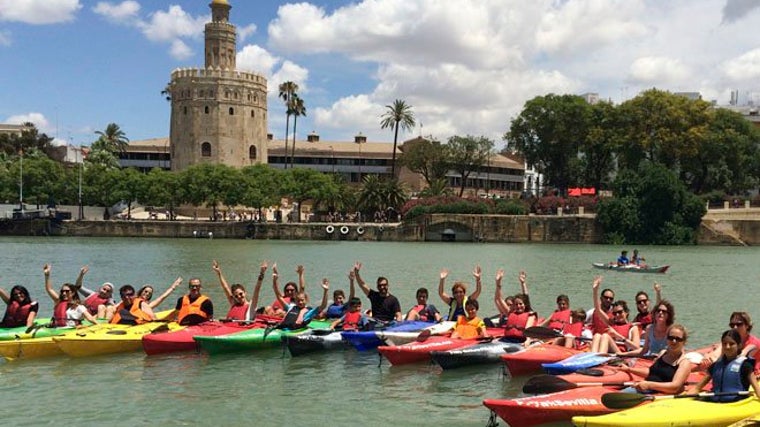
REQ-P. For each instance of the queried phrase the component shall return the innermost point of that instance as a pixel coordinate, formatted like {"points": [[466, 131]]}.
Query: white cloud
{"points": [[39, 11], [244, 32], [180, 50], [657, 70], [38, 119], [172, 24], [290, 72], [5, 38], [352, 112], [126, 10], [256, 59], [745, 67], [735, 10]]}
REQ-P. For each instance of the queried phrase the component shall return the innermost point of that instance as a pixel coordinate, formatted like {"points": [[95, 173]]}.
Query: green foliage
{"points": [[378, 194], [112, 139], [467, 154], [427, 157], [509, 207], [399, 114]]}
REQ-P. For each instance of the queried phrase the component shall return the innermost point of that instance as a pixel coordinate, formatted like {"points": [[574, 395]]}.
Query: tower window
{"points": [[252, 152], [206, 149], [252, 114], [205, 109], [184, 110], [232, 111]]}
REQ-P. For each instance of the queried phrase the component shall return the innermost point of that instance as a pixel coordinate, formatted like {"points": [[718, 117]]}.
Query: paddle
{"points": [[629, 400], [541, 384]]}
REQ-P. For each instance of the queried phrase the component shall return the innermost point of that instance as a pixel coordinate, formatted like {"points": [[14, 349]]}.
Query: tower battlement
{"points": [[190, 73]]}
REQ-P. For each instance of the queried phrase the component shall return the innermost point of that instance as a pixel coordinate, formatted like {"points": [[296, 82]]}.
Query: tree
{"points": [[287, 91], [210, 184], [399, 114], [428, 158], [112, 139], [380, 195], [597, 150], [162, 188], [261, 186], [130, 187], [468, 154], [298, 109], [305, 184], [549, 132], [29, 140]]}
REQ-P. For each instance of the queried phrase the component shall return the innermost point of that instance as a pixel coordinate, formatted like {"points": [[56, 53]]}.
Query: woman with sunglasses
{"points": [[644, 316], [741, 322], [21, 310], [670, 370], [656, 334], [457, 302], [240, 307], [67, 309], [620, 332], [146, 293], [290, 290]]}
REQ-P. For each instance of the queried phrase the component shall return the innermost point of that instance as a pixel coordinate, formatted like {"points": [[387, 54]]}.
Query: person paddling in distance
{"points": [[353, 319], [100, 303], [297, 313], [21, 310], [619, 330], [732, 373], [146, 293], [194, 307], [423, 311], [644, 316], [240, 307], [637, 259], [670, 369], [385, 307], [518, 319], [623, 259], [132, 310], [656, 334], [470, 325], [67, 308], [459, 291]]}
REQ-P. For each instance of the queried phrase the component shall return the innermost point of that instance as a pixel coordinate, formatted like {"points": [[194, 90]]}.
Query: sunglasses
{"points": [[289, 290], [659, 310], [608, 298], [676, 339], [128, 295], [735, 324], [65, 291], [240, 295], [642, 301], [195, 286], [619, 312]]}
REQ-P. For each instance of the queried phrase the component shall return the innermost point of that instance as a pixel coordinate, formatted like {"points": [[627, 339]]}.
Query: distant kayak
{"points": [[632, 268]]}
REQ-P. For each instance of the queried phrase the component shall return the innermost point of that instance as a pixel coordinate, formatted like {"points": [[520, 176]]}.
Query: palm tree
{"points": [[113, 139], [398, 114], [287, 92], [297, 109]]}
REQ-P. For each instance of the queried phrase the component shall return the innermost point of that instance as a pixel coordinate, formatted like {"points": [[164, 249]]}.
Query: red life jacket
{"points": [[238, 312], [644, 318], [559, 320], [575, 329], [352, 320], [133, 316], [597, 324], [516, 325], [622, 329], [59, 313], [93, 301], [16, 315]]}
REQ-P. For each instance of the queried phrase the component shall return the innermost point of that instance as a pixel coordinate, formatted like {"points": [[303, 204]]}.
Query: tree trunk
{"points": [[393, 161], [287, 128], [293, 147]]}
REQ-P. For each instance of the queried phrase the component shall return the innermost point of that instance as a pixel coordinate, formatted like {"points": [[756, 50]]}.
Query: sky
{"points": [[465, 66]]}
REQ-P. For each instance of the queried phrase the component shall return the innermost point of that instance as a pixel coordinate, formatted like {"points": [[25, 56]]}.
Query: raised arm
{"points": [[222, 281], [301, 280], [597, 304], [359, 280], [351, 285], [657, 293], [276, 287], [256, 291], [497, 298], [441, 283], [523, 285], [476, 272], [325, 288], [156, 302], [48, 286], [79, 284], [5, 296]]}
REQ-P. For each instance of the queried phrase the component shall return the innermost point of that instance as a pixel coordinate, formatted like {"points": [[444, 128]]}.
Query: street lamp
{"points": [[81, 166]]}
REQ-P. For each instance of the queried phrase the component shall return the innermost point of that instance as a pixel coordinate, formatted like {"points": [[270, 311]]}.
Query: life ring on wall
{"points": [[359, 230], [329, 229], [344, 229], [381, 229]]}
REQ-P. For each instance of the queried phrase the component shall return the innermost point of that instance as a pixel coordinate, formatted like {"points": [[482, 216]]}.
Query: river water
{"points": [[342, 388]]}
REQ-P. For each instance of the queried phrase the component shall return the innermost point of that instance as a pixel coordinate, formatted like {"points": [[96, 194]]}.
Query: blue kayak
{"points": [[369, 340], [575, 362]]}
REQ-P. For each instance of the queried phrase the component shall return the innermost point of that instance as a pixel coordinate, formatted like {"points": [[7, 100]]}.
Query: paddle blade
{"points": [[624, 400], [541, 384], [592, 372], [424, 335], [541, 333]]}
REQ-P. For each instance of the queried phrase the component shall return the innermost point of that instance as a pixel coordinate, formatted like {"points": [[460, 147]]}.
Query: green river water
{"points": [[343, 388]]}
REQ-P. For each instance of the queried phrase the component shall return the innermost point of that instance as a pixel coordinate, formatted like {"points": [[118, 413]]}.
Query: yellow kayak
{"points": [[677, 412], [27, 347], [110, 339], [748, 422]]}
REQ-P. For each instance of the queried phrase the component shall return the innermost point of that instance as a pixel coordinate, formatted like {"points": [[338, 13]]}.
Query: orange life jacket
{"points": [[194, 307], [133, 316]]}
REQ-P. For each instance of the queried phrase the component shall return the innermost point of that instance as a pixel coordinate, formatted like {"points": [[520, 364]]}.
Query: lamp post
{"points": [[81, 166], [21, 179]]}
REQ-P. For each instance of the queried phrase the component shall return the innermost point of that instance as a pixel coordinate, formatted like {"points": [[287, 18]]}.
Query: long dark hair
{"points": [[27, 299]]}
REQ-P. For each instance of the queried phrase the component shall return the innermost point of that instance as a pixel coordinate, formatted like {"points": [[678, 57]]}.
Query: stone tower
{"points": [[219, 114]]}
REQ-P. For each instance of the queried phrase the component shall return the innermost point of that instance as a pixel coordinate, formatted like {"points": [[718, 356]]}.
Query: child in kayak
{"points": [[423, 311], [353, 320], [732, 372], [297, 314], [470, 325]]}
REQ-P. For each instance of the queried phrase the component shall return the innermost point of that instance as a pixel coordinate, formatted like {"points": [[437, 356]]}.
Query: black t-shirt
{"points": [[383, 307]]}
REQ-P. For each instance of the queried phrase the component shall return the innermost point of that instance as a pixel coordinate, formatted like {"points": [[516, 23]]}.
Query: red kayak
{"points": [[529, 361], [553, 407], [182, 340], [414, 352]]}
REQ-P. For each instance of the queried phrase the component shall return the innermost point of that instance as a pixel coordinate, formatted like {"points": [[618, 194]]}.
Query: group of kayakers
{"points": [[636, 259]]}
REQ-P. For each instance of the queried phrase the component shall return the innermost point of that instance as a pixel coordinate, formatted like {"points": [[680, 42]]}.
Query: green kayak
{"points": [[252, 339], [39, 330]]}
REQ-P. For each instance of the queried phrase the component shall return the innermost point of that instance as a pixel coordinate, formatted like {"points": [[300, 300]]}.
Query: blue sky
{"points": [[466, 67]]}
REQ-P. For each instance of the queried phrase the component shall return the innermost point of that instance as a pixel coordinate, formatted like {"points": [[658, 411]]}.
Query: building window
{"points": [[205, 109], [201, 93], [184, 110], [206, 149], [252, 152], [232, 111], [252, 114]]}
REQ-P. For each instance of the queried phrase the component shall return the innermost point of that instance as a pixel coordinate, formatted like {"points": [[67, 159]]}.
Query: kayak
{"points": [[109, 339], [552, 407], [748, 422], [182, 340], [370, 340], [677, 412], [529, 360], [30, 348], [313, 341], [251, 339], [477, 354], [632, 268], [575, 362], [420, 351], [399, 337], [606, 373], [20, 332]]}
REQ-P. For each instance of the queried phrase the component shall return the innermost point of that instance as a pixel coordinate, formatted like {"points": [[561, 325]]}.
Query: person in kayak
{"points": [[423, 311], [560, 318], [619, 330], [470, 325], [339, 306], [670, 369], [507, 305], [240, 307], [132, 310], [574, 330], [290, 290], [623, 259], [385, 306], [593, 319], [644, 315], [519, 318], [67, 308], [459, 292], [194, 307], [100, 304], [353, 319], [741, 322], [146, 293], [656, 334], [732, 372], [21, 310], [297, 313], [637, 259]]}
